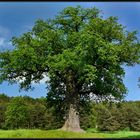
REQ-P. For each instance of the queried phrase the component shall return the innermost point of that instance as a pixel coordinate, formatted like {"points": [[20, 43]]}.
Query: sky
{"points": [[17, 18]]}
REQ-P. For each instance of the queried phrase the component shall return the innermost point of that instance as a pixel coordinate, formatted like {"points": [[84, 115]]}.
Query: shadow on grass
{"points": [[133, 136], [105, 132]]}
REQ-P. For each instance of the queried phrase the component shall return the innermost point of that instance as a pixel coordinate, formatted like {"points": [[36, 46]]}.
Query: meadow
{"points": [[90, 133]]}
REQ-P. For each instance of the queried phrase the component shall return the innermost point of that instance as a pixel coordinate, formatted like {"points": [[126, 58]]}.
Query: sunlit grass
{"points": [[24, 133]]}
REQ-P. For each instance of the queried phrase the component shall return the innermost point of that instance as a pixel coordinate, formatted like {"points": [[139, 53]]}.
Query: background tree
{"points": [[108, 117], [131, 116], [80, 51], [4, 100], [37, 116], [16, 115]]}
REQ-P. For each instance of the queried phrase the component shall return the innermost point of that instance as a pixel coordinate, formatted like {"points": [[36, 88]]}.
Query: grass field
{"points": [[24, 133]]}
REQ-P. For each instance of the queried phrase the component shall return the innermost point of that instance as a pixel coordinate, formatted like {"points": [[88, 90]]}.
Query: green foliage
{"points": [[131, 115], [16, 113], [118, 116], [87, 115], [54, 119], [105, 119], [36, 117], [26, 112], [4, 100]]}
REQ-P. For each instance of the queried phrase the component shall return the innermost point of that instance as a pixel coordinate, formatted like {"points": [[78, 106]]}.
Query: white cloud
{"points": [[46, 78], [4, 32], [2, 41], [5, 44], [43, 81]]}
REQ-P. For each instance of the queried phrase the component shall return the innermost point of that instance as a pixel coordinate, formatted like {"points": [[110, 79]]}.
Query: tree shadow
{"points": [[133, 136]]}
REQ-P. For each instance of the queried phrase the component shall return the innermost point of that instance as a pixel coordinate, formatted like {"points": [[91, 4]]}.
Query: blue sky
{"points": [[19, 17]]}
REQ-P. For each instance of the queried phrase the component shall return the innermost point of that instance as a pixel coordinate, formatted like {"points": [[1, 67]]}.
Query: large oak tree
{"points": [[80, 51]]}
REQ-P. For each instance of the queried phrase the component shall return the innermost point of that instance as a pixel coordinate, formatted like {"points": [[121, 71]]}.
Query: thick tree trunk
{"points": [[72, 122]]}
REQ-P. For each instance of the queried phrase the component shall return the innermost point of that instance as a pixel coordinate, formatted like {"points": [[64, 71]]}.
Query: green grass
{"points": [[91, 133]]}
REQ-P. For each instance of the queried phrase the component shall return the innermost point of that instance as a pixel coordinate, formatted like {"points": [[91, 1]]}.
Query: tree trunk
{"points": [[72, 122]]}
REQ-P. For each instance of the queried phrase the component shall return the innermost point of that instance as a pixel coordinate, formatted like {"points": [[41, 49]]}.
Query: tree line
{"points": [[24, 112]]}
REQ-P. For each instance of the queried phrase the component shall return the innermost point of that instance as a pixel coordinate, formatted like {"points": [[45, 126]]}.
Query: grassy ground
{"points": [[23, 133]]}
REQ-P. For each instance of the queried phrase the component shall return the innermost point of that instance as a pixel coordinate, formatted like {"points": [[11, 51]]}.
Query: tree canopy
{"points": [[80, 51]]}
